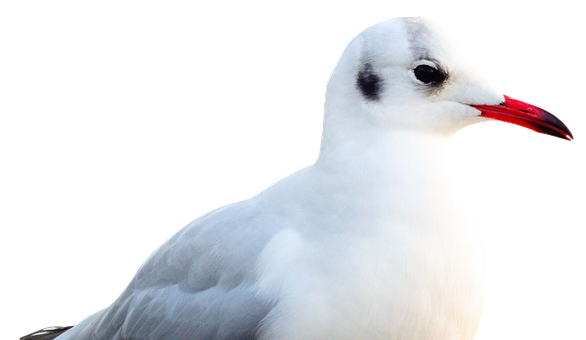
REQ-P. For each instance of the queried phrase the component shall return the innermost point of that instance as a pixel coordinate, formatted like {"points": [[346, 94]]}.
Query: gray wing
{"points": [[198, 285]]}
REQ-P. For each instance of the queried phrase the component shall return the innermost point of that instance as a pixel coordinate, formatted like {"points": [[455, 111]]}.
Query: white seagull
{"points": [[370, 242]]}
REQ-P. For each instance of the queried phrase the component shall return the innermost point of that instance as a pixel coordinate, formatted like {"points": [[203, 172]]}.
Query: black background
{"points": [[132, 121]]}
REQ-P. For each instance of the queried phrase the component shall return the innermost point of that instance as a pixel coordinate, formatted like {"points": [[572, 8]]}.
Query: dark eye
{"points": [[428, 74]]}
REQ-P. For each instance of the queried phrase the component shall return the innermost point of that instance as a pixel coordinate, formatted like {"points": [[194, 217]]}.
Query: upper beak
{"points": [[523, 114]]}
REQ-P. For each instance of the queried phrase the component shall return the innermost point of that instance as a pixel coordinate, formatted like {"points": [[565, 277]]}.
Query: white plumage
{"points": [[370, 242]]}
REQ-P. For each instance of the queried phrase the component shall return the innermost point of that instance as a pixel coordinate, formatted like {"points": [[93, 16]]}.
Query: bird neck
{"points": [[401, 176], [377, 155]]}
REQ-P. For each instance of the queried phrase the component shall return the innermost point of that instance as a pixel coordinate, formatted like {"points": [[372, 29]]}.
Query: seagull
{"points": [[369, 242]]}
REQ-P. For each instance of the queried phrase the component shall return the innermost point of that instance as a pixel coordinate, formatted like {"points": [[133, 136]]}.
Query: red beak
{"points": [[526, 115]]}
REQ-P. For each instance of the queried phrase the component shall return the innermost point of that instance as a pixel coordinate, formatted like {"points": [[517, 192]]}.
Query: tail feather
{"points": [[48, 333]]}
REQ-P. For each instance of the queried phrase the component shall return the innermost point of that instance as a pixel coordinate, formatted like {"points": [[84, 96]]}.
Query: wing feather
{"points": [[199, 285]]}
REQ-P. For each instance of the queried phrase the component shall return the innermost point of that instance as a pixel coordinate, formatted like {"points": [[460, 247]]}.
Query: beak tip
{"points": [[568, 138]]}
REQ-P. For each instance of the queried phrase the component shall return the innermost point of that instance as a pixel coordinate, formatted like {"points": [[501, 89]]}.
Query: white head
{"points": [[404, 74]]}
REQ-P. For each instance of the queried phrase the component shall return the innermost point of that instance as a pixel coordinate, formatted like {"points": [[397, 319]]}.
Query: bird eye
{"points": [[428, 74]]}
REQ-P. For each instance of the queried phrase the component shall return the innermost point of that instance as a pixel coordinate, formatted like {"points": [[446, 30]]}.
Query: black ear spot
{"points": [[368, 82]]}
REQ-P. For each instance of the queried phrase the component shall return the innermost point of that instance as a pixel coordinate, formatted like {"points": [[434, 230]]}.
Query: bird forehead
{"points": [[404, 41]]}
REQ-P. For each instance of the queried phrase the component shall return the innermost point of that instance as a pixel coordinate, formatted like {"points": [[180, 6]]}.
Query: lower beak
{"points": [[526, 115]]}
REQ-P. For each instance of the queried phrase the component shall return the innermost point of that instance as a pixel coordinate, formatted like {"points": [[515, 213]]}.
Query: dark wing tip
{"points": [[46, 333]]}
